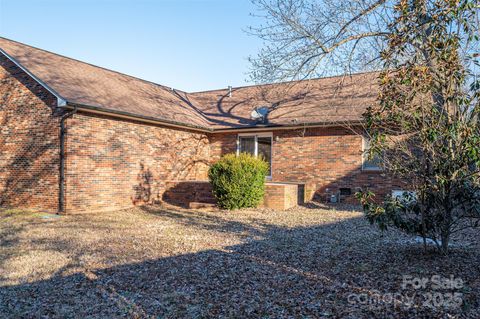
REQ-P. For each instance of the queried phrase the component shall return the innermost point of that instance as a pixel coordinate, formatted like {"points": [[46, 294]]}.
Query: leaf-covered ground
{"points": [[308, 262]]}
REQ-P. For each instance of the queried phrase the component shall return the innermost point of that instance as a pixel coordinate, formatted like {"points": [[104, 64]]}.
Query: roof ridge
{"points": [[285, 82], [94, 65]]}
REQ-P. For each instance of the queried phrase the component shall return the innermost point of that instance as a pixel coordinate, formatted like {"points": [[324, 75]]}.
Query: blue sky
{"points": [[187, 44]]}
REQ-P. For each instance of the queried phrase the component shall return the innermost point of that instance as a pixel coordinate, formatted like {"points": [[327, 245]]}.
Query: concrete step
{"points": [[197, 205]]}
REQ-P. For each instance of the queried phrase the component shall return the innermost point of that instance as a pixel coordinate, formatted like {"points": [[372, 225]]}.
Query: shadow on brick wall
{"points": [[29, 142], [344, 187], [183, 193], [143, 190]]}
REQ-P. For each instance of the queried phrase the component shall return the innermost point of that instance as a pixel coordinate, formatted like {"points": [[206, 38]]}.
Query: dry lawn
{"points": [[174, 263]]}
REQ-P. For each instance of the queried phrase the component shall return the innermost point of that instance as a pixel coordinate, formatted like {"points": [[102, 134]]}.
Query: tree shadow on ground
{"points": [[203, 220], [276, 272]]}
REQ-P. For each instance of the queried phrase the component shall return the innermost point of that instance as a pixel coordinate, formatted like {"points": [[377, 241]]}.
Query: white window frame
{"points": [[364, 149], [256, 136]]}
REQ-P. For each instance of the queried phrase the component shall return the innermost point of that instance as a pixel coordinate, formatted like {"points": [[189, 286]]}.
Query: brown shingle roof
{"points": [[82, 83], [324, 100]]}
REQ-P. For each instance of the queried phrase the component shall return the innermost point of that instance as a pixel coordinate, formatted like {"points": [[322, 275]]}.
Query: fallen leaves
{"points": [[175, 263]]}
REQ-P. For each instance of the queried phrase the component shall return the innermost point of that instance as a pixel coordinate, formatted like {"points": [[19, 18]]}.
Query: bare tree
{"points": [[311, 38], [308, 38]]}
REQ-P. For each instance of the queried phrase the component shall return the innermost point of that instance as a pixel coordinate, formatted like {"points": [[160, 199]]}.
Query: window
{"points": [[247, 144], [372, 164], [404, 196], [258, 145]]}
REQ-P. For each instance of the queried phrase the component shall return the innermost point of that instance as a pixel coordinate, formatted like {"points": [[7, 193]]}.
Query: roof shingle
{"points": [[85, 84], [324, 100]]}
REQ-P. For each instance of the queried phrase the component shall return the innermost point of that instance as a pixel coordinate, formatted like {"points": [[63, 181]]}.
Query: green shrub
{"points": [[238, 181]]}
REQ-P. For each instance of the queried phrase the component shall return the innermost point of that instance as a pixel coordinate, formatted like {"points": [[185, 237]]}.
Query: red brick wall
{"points": [[221, 144], [29, 141], [327, 159], [114, 163]]}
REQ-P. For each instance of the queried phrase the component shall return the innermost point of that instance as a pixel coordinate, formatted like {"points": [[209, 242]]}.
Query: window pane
{"points": [[265, 151], [373, 163], [247, 145]]}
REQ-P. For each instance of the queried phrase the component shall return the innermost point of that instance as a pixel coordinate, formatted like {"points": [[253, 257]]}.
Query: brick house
{"points": [[77, 137]]}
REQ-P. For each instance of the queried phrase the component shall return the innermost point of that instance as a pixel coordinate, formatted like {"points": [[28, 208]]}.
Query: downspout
{"points": [[61, 186]]}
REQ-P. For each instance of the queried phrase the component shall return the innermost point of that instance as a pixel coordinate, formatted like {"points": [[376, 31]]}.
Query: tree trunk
{"points": [[445, 240]]}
